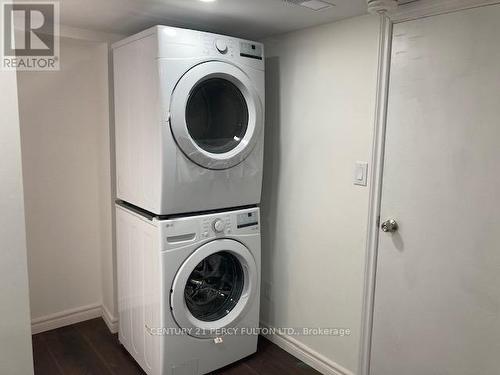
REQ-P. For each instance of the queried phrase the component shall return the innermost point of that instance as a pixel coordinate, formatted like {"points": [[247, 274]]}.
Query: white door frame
{"points": [[408, 12]]}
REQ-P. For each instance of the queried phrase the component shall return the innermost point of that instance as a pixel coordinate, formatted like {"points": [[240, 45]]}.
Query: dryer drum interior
{"points": [[217, 115]]}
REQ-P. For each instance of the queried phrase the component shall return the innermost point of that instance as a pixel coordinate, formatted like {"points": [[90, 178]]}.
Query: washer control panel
{"points": [[247, 219], [218, 225], [238, 222], [182, 231]]}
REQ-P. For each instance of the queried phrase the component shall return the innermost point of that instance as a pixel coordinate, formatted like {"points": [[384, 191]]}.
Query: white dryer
{"points": [[189, 120], [188, 289]]}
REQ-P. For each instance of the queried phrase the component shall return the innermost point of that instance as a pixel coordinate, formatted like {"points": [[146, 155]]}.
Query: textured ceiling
{"points": [[253, 19]]}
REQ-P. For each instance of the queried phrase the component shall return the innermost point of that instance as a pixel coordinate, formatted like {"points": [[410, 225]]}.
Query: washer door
{"points": [[216, 115], [214, 287]]}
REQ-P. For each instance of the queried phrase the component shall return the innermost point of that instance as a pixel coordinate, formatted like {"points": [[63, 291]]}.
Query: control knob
{"points": [[221, 46], [218, 226]]}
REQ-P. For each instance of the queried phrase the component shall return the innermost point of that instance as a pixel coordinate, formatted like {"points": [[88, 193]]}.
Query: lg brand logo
{"points": [[30, 36]]}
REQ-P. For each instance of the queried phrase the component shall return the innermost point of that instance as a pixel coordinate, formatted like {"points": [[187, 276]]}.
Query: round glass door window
{"points": [[216, 115], [214, 287]]}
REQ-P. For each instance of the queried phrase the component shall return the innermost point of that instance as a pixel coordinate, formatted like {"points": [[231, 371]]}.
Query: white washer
{"points": [[188, 289], [189, 117]]}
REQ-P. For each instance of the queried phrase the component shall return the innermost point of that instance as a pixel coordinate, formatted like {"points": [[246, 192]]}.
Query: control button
{"points": [[219, 226], [221, 46]]}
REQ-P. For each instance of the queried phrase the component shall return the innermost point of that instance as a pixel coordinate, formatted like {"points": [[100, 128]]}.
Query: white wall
{"points": [[66, 158], [15, 339], [321, 85]]}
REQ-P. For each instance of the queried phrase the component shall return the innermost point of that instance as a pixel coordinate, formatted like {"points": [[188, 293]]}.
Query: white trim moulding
{"points": [[427, 8], [65, 318], [74, 316], [407, 12], [385, 43], [110, 320], [305, 354]]}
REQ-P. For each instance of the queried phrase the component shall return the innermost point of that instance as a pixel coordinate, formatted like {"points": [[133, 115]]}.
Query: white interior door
{"points": [[437, 296]]}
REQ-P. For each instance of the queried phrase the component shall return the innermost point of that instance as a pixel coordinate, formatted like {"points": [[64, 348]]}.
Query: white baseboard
{"points": [[65, 318], [307, 355], [110, 320]]}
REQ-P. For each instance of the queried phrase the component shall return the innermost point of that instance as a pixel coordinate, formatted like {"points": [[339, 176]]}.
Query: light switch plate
{"points": [[361, 173]]}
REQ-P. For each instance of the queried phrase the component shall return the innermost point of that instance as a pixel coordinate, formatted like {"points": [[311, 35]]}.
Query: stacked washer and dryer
{"points": [[189, 115]]}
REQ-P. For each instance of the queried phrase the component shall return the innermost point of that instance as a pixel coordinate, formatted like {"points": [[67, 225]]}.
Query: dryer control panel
{"points": [[177, 43], [251, 50], [216, 45]]}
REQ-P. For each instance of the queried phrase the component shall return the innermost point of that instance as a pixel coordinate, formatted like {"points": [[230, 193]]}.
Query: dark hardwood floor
{"points": [[89, 348]]}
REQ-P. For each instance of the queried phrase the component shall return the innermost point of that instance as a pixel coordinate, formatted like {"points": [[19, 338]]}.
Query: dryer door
{"points": [[216, 115], [214, 288]]}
